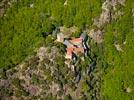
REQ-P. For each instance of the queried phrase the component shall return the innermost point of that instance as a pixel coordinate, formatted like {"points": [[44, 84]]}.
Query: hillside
{"points": [[66, 49]]}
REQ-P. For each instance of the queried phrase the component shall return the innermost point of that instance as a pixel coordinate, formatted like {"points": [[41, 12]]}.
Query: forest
{"points": [[28, 24], [22, 27]]}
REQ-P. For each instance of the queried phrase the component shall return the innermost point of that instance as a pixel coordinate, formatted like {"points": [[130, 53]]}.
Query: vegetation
{"points": [[26, 21], [105, 74], [118, 75]]}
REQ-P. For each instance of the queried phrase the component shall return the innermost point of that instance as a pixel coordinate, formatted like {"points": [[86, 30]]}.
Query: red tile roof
{"points": [[69, 51], [79, 49], [72, 49]]}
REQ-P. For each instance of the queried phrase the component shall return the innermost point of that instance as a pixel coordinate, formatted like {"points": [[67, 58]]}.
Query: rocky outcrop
{"points": [[33, 90], [65, 3], [4, 4], [41, 53], [96, 35], [118, 47], [108, 7], [4, 83], [27, 76], [109, 13]]}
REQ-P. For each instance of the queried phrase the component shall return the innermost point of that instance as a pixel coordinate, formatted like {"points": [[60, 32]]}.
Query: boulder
{"points": [[33, 90], [96, 35], [41, 53]]}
